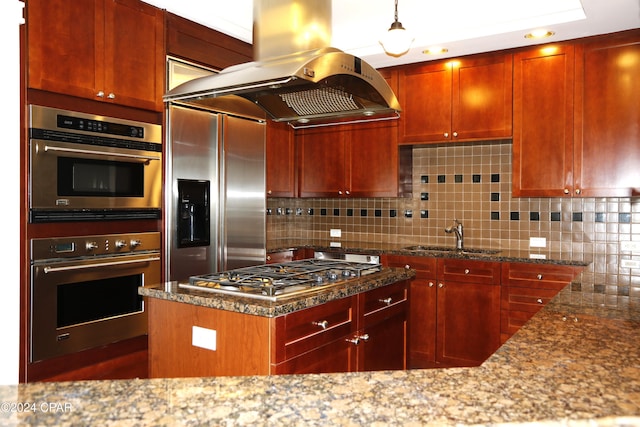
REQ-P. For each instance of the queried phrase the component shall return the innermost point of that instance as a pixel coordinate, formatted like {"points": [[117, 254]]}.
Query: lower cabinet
{"points": [[366, 331], [526, 288], [454, 315]]}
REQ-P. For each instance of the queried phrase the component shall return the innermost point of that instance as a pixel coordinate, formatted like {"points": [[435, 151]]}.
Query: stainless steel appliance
{"points": [[275, 282], [84, 290], [215, 191], [296, 78], [87, 167]]}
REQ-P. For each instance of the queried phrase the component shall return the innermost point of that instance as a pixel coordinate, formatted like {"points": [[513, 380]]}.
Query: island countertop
{"points": [[568, 366]]}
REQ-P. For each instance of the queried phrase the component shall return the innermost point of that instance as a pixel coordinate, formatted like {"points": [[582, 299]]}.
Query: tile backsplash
{"points": [[472, 183]]}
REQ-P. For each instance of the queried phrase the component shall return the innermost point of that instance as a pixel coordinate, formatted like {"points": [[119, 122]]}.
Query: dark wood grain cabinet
{"points": [[576, 118], [103, 50], [281, 161], [462, 99], [526, 289], [351, 161], [454, 314]]}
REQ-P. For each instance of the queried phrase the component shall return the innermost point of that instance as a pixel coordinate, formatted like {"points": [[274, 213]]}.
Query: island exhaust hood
{"points": [[295, 77]]}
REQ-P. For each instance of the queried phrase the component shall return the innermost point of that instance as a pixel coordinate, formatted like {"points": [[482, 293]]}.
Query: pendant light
{"points": [[397, 40]]}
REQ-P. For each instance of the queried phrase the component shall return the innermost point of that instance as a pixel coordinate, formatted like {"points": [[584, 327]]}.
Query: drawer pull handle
{"points": [[407, 266], [323, 324], [467, 271], [364, 337], [386, 301], [431, 284], [354, 341], [441, 285], [539, 300], [539, 276]]}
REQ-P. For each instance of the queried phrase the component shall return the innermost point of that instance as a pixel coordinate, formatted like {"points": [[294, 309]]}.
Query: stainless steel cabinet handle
{"points": [[100, 94], [578, 191], [340, 192], [407, 266], [539, 300], [323, 324], [50, 269], [99, 153], [111, 95], [441, 285], [364, 337], [455, 134], [446, 134], [386, 301], [467, 271], [539, 276], [355, 340], [565, 191], [431, 284], [347, 192]]}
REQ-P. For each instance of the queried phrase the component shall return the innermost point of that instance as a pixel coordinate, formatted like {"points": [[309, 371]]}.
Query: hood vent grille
{"points": [[319, 101]]}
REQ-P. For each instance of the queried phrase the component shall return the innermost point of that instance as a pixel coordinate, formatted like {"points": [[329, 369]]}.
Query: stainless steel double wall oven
{"points": [[84, 287]]}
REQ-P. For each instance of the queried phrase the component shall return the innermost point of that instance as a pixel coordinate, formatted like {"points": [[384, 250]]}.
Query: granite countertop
{"points": [[172, 292], [565, 367], [534, 255]]}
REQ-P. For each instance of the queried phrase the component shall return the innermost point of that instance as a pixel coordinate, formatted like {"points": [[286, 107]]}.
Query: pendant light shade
{"points": [[397, 40]]}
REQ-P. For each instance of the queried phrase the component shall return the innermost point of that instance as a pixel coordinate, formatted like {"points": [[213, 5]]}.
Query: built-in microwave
{"points": [[88, 167]]}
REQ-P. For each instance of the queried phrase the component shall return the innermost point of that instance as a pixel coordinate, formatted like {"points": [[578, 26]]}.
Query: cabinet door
{"points": [[281, 165], [384, 347], [134, 54], [373, 170], [468, 322], [482, 98], [607, 132], [543, 121], [63, 46], [322, 159], [424, 92]]}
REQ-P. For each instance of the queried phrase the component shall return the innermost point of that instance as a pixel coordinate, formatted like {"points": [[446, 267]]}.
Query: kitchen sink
{"points": [[470, 251]]}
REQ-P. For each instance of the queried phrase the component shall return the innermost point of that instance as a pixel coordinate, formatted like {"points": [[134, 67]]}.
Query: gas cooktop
{"points": [[275, 282]]}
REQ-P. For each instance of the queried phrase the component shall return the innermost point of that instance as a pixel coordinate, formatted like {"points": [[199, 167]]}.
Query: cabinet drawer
{"points": [[526, 299], [384, 302], [425, 267], [541, 276], [279, 257], [511, 321], [311, 328], [462, 270]]}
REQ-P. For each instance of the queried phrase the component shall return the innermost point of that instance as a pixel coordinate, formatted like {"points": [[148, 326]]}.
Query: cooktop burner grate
{"points": [[278, 281]]}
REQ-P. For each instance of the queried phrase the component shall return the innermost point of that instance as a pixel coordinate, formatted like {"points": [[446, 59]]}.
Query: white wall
{"points": [[10, 18]]}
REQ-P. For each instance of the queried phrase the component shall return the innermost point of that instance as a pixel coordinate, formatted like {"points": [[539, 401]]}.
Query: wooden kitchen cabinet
{"points": [[576, 119], [526, 289], [454, 317], [607, 117], [350, 161], [462, 99], [543, 121], [280, 160], [104, 50]]}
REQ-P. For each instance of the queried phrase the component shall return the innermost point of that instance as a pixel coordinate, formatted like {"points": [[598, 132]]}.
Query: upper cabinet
{"points": [[576, 116], [105, 50], [281, 160], [543, 121], [196, 43], [464, 99], [607, 117], [351, 161]]}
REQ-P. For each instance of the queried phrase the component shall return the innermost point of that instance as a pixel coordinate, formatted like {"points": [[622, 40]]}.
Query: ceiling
{"points": [[462, 26]]}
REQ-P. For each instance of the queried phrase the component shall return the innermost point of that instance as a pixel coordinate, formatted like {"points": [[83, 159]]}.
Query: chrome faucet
{"points": [[456, 228]]}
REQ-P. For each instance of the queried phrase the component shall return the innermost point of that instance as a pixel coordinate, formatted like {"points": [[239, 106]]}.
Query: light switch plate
{"points": [[335, 232], [204, 338], [629, 263], [629, 246], [537, 242]]}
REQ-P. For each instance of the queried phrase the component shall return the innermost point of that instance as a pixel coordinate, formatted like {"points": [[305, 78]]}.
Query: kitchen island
{"points": [[569, 366]]}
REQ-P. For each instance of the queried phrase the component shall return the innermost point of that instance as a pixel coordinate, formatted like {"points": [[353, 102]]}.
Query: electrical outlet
{"points": [[629, 263], [335, 244], [537, 242], [204, 338], [629, 246], [335, 232]]}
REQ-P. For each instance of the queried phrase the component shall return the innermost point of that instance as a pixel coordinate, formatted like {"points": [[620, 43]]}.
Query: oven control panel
{"points": [[104, 244]]}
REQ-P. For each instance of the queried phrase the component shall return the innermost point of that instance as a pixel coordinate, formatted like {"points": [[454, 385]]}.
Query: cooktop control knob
{"points": [[90, 246], [135, 243], [120, 244]]}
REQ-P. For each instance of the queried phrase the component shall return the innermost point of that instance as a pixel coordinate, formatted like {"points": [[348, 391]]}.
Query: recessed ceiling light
{"points": [[539, 34], [435, 50]]}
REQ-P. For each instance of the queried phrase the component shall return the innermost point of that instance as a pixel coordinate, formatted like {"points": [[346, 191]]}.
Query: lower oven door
{"points": [[81, 304]]}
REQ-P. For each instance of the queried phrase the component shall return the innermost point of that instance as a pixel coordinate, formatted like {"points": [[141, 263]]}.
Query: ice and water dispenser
{"points": [[194, 213]]}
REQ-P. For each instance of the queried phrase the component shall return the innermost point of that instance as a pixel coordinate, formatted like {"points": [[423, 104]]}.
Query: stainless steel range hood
{"points": [[307, 84]]}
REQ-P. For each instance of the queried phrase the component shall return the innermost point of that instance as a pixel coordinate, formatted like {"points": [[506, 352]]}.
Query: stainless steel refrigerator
{"points": [[215, 192]]}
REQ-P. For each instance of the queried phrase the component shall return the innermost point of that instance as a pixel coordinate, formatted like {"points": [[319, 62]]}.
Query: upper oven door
{"points": [[69, 176]]}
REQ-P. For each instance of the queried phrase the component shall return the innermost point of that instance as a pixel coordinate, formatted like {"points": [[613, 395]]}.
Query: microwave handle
{"points": [[99, 153], [49, 269]]}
